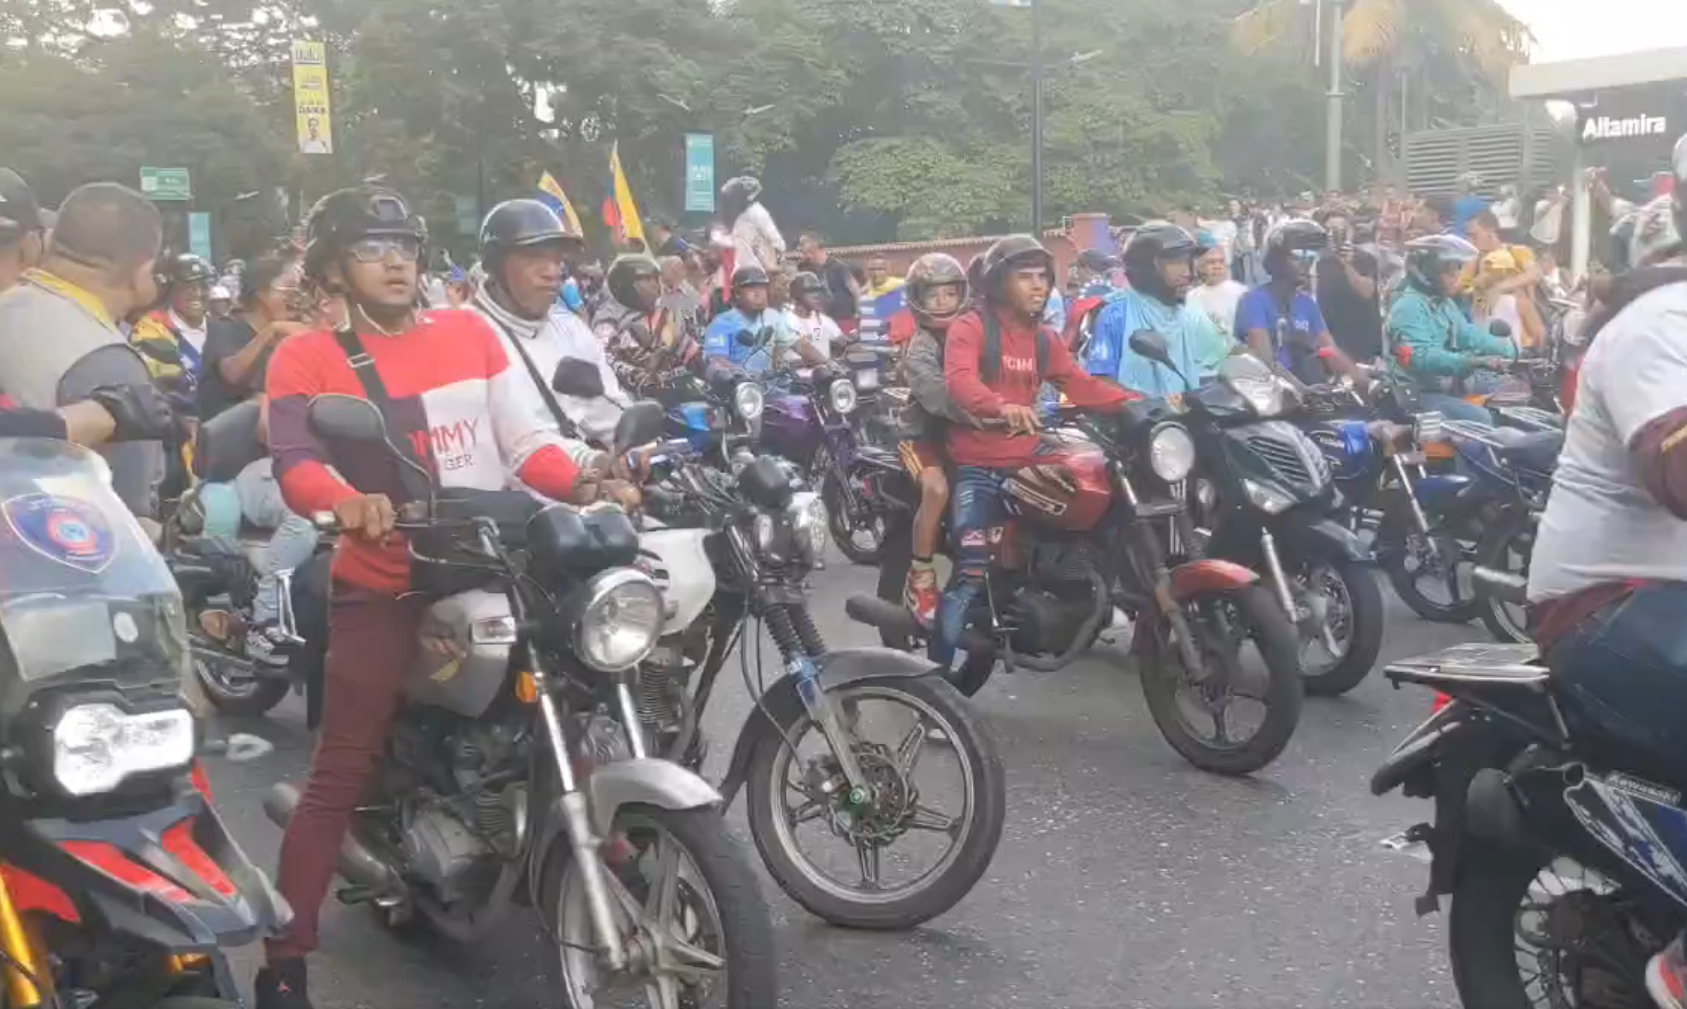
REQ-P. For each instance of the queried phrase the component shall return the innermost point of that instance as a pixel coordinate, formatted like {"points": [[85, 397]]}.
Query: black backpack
{"points": [[990, 358]]}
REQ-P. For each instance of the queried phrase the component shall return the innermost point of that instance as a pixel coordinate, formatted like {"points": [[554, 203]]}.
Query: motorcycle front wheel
{"points": [[888, 814], [1410, 558], [862, 544], [1353, 602], [1222, 621], [691, 915]]}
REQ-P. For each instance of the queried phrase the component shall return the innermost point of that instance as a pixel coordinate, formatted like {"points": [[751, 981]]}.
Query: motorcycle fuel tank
{"points": [[1067, 487], [464, 654], [1346, 445]]}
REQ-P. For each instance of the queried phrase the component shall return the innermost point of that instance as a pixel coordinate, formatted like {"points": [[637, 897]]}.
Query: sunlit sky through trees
{"points": [[1573, 29]]}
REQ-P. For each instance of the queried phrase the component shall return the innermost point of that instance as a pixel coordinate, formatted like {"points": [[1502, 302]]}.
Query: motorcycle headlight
{"points": [[748, 400], [841, 395], [620, 620], [807, 515], [97, 746], [1267, 498], [1171, 452]]}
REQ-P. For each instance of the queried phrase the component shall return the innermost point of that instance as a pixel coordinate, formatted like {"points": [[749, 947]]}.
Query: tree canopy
{"points": [[867, 119]]}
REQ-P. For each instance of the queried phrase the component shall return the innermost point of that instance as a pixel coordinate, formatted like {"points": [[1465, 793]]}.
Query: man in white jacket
{"points": [[524, 246], [756, 240]]}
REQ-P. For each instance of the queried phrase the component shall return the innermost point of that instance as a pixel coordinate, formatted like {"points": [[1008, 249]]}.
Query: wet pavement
{"points": [[1125, 877]]}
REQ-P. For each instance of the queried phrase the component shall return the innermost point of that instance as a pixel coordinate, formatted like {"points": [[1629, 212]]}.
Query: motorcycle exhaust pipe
{"points": [[357, 864], [894, 619], [1502, 585]]}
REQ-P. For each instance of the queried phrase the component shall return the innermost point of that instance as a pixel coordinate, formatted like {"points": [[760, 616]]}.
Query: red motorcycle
{"points": [[1092, 522]]}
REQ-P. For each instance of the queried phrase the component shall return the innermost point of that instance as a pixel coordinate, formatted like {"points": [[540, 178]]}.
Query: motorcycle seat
{"points": [[1482, 664], [1536, 450]]}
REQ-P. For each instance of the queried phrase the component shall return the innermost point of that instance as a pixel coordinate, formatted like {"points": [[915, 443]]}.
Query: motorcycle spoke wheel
{"points": [[1445, 569], [1323, 591]]}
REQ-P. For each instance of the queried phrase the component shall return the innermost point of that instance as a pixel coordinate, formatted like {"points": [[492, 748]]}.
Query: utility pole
{"points": [[1036, 120], [1332, 123]]}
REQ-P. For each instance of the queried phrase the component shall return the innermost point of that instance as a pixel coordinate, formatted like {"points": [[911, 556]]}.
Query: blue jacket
{"points": [[721, 338], [1190, 334], [1433, 343]]}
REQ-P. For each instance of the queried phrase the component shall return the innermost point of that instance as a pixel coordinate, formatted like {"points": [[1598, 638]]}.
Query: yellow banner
{"points": [[310, 98]]}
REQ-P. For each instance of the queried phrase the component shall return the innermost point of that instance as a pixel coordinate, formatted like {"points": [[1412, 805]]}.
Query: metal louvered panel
{"points": [[1515, 153]]}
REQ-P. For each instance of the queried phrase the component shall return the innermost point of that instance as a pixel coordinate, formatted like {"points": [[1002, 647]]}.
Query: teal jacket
{"points": [[1433, 343]]}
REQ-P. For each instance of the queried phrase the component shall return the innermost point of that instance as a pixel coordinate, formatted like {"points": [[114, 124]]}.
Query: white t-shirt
{"points": [[194, 337], [1218, 303], [1601, 524], [818, 329]]}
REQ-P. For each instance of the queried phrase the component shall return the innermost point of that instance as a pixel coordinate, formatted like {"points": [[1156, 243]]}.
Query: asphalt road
{"points": [[1124, 877]]}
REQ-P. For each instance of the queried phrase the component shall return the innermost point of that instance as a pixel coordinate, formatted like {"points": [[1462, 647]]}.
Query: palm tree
{"points": [[1474, 42]]}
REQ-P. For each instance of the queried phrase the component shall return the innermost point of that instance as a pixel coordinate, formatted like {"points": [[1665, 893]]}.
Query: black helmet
{"points": [[19, 213], [1096, 261], [975, 276], [934, 269], [625, 273], [349, 215], [1288, 238], [1150, 245], [1429, 257], [185, 269], [748, 276], [807, 283], [516, 224], [1007, 254]]}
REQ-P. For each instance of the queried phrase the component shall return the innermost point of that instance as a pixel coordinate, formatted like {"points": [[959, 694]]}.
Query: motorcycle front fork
{"points": [[799, 643], [1285, 594]]}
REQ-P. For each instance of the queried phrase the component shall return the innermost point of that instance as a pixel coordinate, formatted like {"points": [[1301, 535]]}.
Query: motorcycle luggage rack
{"points": [[1469, 430], [1532, 416]]}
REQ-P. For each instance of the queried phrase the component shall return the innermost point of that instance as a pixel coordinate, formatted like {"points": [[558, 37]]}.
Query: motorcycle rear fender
{"points": [[781, 702], [1322, 537], [1212, 575], [137, 876], [645, 781]]}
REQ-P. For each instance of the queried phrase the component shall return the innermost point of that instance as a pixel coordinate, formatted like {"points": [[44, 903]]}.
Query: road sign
{"points": [[700, 173], [199, 234], [166, 184]]}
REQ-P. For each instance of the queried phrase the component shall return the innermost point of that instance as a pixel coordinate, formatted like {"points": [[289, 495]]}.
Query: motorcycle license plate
{"points": [[867, 379]]}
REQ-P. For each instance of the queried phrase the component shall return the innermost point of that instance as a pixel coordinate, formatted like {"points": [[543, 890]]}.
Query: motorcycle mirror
{"points": [[1153, 346], [577, 377], [337, 417], [1500, 328], [747, 338], [640, 424]]}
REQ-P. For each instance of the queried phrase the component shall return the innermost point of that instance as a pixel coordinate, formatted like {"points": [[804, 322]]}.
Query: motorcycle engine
{"points": [[1046, 614], [442, 849]]}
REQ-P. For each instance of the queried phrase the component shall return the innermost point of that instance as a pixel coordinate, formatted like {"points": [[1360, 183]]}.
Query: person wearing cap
{"points": [[23, 228], [59, 325], [668, 242], [172, 337]]}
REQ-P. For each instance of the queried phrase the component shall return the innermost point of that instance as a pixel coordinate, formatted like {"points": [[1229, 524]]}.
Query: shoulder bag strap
{"points": [[374, 390], [545, 393]]}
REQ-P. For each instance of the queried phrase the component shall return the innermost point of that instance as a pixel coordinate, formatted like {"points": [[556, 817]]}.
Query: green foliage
{"points": [[868, 119]]}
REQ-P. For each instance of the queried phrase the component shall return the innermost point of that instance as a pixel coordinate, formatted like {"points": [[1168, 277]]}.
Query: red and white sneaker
{"points": [[921, 596], [1666, 977]]}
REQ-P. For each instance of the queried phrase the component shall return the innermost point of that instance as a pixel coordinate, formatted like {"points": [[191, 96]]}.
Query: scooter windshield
{"points": [[82, 589]]}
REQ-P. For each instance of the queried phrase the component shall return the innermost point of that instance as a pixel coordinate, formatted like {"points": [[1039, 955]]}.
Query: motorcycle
{"points": [[1102, 499], [1264, 496], [736, 549], [507, 772], [808, 421], [1559, 844], [219, 585], [119, 884]]}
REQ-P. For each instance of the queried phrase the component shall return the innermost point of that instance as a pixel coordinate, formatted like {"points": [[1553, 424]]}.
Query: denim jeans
{"points": [[1626, 670], [293, 542], [975, 510], [1455, 407]]}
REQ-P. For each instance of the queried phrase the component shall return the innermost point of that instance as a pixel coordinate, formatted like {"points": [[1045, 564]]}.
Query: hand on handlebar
{"points": [[369, 516], [1495, 363], [1021, 419]]}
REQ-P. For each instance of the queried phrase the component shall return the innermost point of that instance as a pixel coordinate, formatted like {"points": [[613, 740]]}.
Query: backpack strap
{"points": [[374, 390], [990, 359], [1042, 351]]}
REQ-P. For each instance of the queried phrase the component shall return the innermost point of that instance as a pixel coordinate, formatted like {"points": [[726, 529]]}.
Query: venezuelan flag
{"points": [[620, 213], [551, 194]]}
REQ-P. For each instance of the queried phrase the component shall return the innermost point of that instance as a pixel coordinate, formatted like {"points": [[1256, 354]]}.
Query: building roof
{"points": [[1572, 77]]}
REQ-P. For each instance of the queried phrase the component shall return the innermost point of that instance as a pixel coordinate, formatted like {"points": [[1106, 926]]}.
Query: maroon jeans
{"points": [[371, 643]]}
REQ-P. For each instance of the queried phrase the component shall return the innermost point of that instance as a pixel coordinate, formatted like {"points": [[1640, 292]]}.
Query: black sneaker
{"points": [[281, 985]]}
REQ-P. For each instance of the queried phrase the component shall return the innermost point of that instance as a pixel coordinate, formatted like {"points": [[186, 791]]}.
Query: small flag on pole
{"points": [[620, 213], [551, 194]]}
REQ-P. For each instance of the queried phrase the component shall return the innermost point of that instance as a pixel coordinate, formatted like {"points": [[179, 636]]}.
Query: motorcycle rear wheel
{"points": [[246, 697], [1394, 541], [1513, 537], [1262, 621]]}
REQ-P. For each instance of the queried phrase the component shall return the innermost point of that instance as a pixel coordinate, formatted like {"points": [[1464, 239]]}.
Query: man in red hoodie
{"points": [[996, 360]]}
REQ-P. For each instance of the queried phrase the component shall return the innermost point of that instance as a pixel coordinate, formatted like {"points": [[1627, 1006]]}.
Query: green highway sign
{"points": [[166, 184]]}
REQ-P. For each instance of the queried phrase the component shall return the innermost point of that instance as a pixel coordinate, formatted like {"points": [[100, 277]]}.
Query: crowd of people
{"points": [[146, 350]]}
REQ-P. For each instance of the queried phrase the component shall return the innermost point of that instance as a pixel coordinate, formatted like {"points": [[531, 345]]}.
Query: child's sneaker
{"points": [[921, 596], [1666, 977]]}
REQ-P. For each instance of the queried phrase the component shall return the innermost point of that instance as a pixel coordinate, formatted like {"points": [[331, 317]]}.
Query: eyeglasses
{"points": [[377, 249], [1306, 255]]}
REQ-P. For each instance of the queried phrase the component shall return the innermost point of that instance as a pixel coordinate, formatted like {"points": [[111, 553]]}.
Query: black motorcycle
{"points": [[737, 548], [119, 884], [1560, 844], [1264, 496]]}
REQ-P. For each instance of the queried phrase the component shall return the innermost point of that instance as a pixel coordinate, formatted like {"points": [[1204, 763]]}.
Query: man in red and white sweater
{"points": [[471, 418]]}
